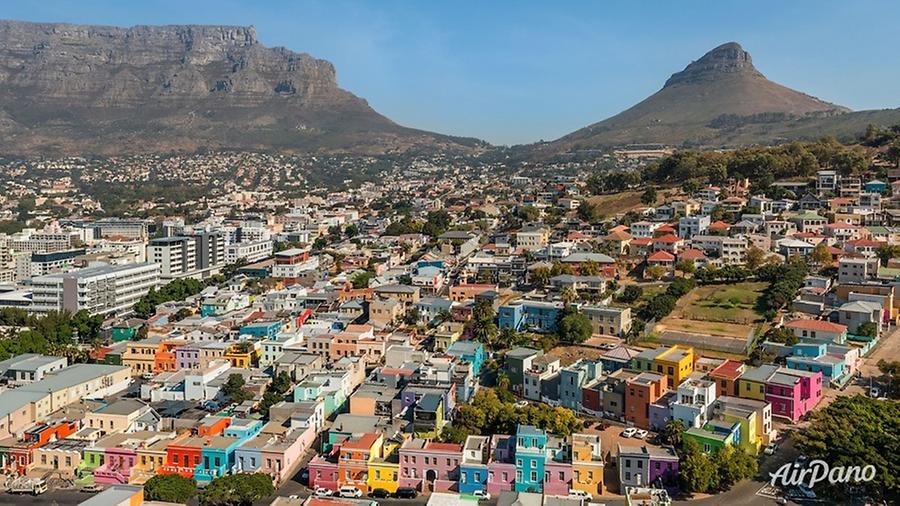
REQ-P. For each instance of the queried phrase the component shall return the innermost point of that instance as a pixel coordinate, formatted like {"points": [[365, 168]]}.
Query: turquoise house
{"points": [[265, 330], [470, 351], [813, 357], [531, 444], [876, 186]]}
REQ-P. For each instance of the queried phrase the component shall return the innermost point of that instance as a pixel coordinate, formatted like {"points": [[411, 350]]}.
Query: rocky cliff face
{"points": [[96, 89]]}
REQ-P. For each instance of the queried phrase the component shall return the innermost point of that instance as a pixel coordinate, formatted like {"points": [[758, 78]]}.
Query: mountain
{"points": [[721, 100], [76, 89]]}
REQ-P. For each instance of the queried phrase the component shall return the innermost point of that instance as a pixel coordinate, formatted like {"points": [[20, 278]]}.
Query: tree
{"points": [[170, 488], [821, 255], [241, 489], [234, 388], [867, 329], [887, 251], [573, 327], [361, 279], [540, 276], [672, 432], [755, 257], [568, 295], [630, 294], [893, 153], [686, 266], [733, 464], [655, 272], [695, 470], [781, 335], [658, 307], [857, 431], [649, 196]]}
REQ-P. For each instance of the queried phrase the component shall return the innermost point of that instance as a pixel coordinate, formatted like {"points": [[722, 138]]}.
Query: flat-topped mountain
{"points": [[720, 99], [76, 89]]}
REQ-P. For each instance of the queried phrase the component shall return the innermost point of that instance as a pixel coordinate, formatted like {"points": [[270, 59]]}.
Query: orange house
{"points": [[213, 426], [725, 376], [183, 457], [353, 464], [640, 392], [164, 359]]}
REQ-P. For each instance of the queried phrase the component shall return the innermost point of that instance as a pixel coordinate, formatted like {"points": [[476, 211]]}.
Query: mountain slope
{"points": [[76, 89], [707, 102]]}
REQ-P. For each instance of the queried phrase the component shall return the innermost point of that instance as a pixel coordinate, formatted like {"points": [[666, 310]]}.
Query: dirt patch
{"points": [[570, 354]]}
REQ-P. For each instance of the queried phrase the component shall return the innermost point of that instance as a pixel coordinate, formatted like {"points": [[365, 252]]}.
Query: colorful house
{"points": [[384, 469], [642, 466], [792, 393], [726, 377], [587, 464], [355, 456], [715, 435], [755, 418], [640, 392], [752, 382], [473, 471], [470, 351], [262, 330], [429, 466], [531, 444], [676, 362], [501, 465]]}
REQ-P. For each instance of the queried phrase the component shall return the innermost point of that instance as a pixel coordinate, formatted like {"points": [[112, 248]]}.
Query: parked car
{"points": [[379, 493], [349, 492], [580, 495], [640, 434], [323, 492], [482, 495], [771, 448], [406, 493], [92, 487], [629, 432], [521, 404], [874, 392]]}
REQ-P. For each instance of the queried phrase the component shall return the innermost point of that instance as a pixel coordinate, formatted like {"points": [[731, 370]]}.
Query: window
{"points": [[533, 475]]}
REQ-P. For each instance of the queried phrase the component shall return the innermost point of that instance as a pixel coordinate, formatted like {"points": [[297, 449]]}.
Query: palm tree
{"points": [[672, 432], [568, 295]]}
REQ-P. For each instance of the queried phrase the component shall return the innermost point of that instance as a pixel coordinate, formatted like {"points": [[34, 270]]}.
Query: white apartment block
{"points": [[248, 251], [101, 289]]}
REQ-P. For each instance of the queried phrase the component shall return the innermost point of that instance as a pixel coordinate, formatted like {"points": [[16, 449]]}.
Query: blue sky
{"points": [[519, 71]]}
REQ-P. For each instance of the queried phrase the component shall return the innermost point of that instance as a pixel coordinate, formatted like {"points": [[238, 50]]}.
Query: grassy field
{"points": [[625, 201], [737, 303]]}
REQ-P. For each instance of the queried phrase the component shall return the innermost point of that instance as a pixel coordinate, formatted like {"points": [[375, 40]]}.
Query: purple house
{"points": [[412, 394], [187, 357], [501, 467], [642, 466]]}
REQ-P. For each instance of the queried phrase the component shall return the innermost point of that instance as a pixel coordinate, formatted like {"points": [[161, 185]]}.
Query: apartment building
{"points": [[101, 289]]}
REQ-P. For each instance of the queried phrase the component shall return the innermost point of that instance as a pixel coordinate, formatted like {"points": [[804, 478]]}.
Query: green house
{"points": [[715, 435]]}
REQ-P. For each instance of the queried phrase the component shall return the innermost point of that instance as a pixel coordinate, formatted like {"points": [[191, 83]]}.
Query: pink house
{"points": [[793, 393], [323, 470], [116, 468], [557, 477], [501, 468], [428, 466]]}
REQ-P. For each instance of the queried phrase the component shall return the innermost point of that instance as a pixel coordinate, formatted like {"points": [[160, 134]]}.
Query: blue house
{"points": [[814, 357], [575, 376], [473, 470], [876, 186], [267, 330], [470, 351], [531, 315], [531, 443]]}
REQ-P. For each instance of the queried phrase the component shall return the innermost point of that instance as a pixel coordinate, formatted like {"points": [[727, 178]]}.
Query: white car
{"points": [[771, 448], [349, 492], [323, 492], [580, 495], [482, 495], [641, 434], [521, 404], [629, 432]]}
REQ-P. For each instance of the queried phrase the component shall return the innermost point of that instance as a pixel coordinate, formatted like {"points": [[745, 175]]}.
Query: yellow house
{"points": [[752, 383], [151, 457], [677, 363], [755, 418], [384, 469], [242, 355], [587, 463]]}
